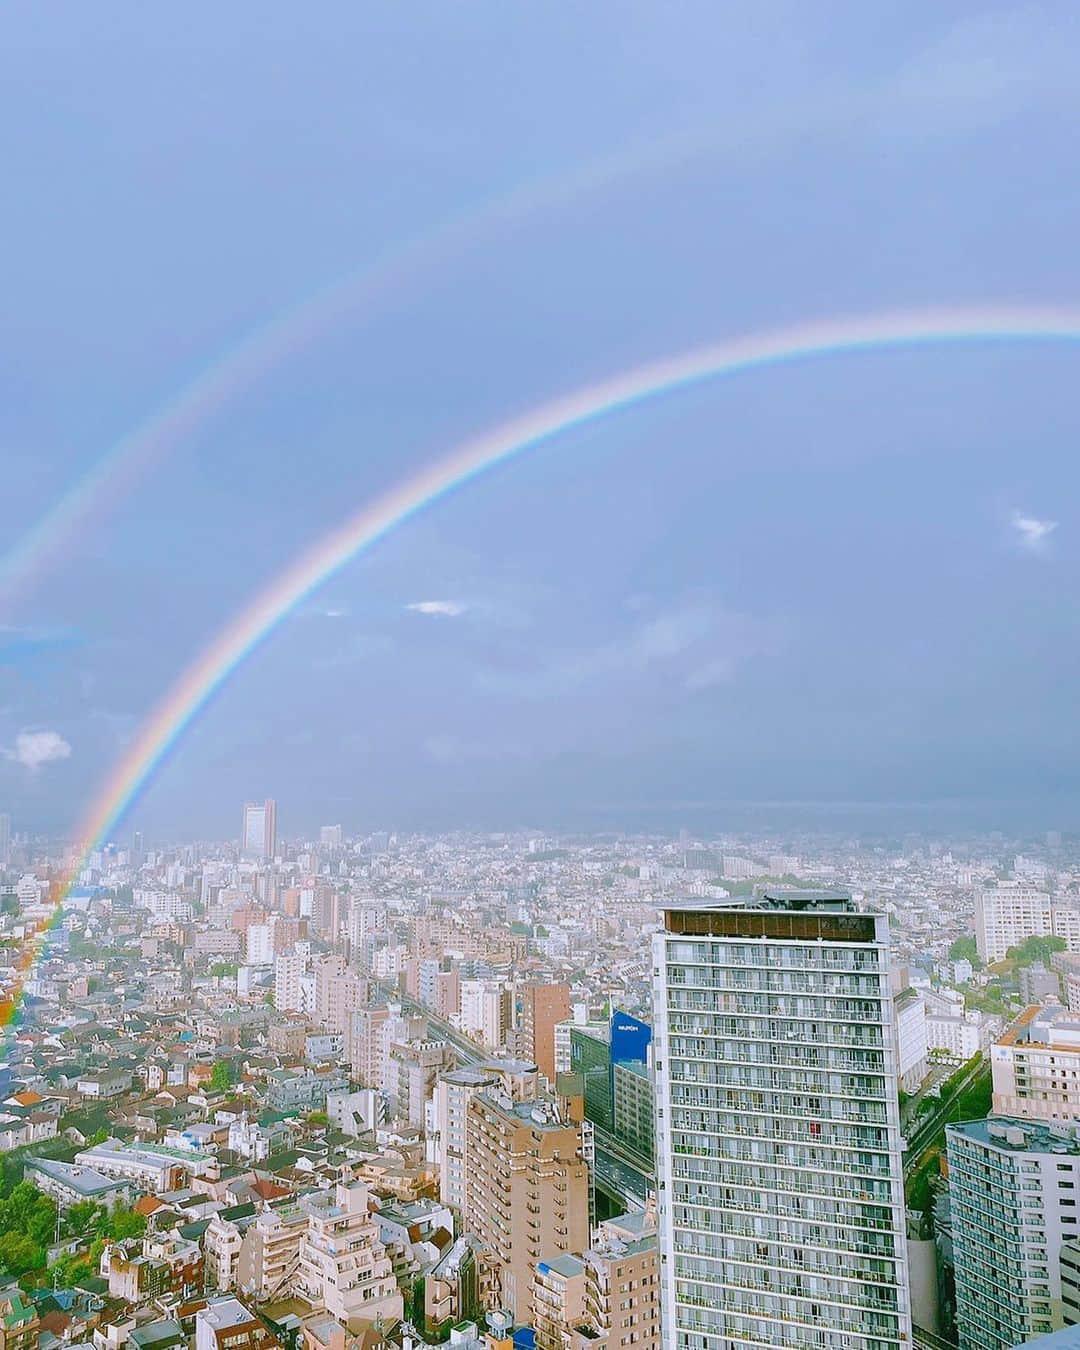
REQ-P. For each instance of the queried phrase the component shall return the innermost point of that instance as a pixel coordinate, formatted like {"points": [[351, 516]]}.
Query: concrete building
{"points": [[450, 1110], [1037, 984], [911, 1039], [607, 1297], [542, 1006], [416, 1067], [1011, 911], [269, 1254], [527, 1190], [778, 1134], [226, 1324], [1015, 1199], [485, 1011], [69, 1184], [1036, 1066], [343, 1265], [289, 971], [258, 832]]}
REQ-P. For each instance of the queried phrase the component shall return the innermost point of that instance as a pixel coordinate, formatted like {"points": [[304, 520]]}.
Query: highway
{"points": [[618, 1169]]}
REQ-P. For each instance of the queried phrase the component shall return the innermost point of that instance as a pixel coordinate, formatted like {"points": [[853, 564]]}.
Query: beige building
{"points": [[605, 1299], [343, 1265], [450, 1113], [527, 1190], [1036, 1066], [270, 1251], [339, 992]]}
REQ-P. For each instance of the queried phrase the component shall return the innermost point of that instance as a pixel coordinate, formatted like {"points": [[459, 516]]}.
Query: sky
{"points": [[847, 583]]}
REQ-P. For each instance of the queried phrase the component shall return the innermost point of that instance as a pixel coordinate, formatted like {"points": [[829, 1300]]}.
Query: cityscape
{"points": [[539, 739], [510, 1091]]}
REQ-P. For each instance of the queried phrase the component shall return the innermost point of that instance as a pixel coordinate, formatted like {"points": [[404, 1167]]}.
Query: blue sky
{"points": [[807, 584]]}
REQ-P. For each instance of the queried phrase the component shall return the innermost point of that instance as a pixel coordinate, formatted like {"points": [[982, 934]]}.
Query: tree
{"points": [[19, 1253], [82, 1216], [223, 970], [966, 949], [221, 1076], [1035, 949], [123, 1223]]}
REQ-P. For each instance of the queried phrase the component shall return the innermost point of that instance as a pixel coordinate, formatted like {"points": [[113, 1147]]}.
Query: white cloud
{"points": [[1031, 534], [335, 613], [35, 748], [697, 643], [446, 609]]}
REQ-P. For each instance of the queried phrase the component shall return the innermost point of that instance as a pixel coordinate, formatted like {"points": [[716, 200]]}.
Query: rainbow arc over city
{"points": [[167, 723]]}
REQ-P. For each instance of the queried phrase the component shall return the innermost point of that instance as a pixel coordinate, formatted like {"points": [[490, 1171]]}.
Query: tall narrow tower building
{"points": [[778, 1133]]}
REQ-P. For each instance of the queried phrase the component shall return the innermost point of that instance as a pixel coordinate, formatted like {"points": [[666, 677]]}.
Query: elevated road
{"points": [[619, 1171]]}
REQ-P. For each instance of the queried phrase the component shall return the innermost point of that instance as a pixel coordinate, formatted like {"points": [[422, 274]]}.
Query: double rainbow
{"points": [[175, 712]]}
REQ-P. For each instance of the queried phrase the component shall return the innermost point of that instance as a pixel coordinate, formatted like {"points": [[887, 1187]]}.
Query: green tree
{"points": [[82, 1216], [966, 949], [19, 1253], [1035, 949], [123, 1223], [221, 1076]]}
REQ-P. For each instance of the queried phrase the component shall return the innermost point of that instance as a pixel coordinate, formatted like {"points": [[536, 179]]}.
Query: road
{"points": [[921, 1140]]}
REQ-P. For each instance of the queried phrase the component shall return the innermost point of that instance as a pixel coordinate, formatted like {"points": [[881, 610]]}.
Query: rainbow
{"points": [[241, 365], [837, 337]]}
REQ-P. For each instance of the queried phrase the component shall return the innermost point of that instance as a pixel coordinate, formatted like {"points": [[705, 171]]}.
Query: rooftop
{"points": [[1020, 1136]]}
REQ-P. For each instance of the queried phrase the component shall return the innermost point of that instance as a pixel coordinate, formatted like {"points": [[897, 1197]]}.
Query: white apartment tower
{"points": [[1011, 911], [778, 1135]]}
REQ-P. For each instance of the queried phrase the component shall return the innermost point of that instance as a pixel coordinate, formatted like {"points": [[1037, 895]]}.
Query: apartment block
{"points": [[527, 1190], [778, 1141], [1015, 1200], [343, 1265], [1036, 1066]]}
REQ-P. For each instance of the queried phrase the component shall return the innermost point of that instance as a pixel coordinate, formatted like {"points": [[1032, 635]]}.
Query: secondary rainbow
{"points": [[239, 366], [164, 728]]}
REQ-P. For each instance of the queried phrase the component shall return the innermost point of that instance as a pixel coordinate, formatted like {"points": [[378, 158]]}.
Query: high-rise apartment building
{"points": [[258, 834], [289, 970], [527, 1190], [450, 1114], [1014, 1188], [5, 838], [778, 1133], [450, 1110], [1011, 911], [485, 1011], [1035, 1065], [542, 1006]]}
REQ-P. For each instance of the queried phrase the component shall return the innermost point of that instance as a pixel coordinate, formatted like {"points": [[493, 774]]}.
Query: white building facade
{"points": [[778, 1133]]}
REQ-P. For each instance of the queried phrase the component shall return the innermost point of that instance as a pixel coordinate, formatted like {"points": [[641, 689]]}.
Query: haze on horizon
{"points": [[847, 585]]}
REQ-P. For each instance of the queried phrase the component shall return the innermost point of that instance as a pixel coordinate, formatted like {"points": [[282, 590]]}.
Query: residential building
{"points": [[541, 1007], [1035, 1065], [416, 1067], [778, 1133], [227, 1324], [911, 1039], [269, 1254], [343, 1264], [1008, 913], [527, 1190], [606, 1298], [1014, 1188], [450, 1097]]}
